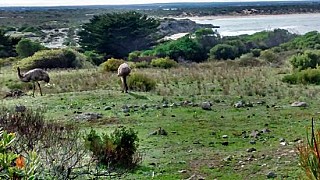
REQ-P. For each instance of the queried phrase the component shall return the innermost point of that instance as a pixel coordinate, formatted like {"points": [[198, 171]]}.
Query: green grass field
{"points": [[196, 145]]}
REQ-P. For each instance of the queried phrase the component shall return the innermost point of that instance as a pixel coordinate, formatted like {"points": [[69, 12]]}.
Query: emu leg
{"points": [[125, 84], [34, 88], [39, 88]]}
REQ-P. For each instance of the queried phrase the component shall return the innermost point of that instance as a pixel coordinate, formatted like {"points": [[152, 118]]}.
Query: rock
{"points": [[282, 140], [299, 104], [20, 108], [182, 171], [265, 130], [251, 149], [283, 143], [89, 116], [228, 158], [224, 136], [196, 177], [206, 106], [173, 105], [225, 143], [239, 104], [165, 105], [271, 175], [107, 108], [252, 142], [255, 133], [14, 93]]}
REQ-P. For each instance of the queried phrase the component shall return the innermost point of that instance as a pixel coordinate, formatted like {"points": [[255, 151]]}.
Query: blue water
{"points": [[232, 26]]}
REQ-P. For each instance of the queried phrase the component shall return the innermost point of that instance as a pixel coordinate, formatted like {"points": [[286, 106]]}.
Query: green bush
{"points": [[164, 63], [269, 56], [308, 59], [95, 57], [141, 82], [60, 58], [256, 52], [111, 64], [26, 47], [308, 76], [117, 149], [133, 56], [223, 51], [142, 64]]}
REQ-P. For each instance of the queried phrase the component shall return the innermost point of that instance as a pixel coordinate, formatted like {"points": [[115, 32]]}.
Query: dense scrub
{"points": [[60, 58]]}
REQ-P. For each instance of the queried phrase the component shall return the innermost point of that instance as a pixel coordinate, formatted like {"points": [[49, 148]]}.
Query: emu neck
{"points": [[21, 77]]}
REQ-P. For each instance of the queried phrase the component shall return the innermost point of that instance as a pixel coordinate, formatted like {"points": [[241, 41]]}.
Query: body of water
{"points": [[233, 26]]}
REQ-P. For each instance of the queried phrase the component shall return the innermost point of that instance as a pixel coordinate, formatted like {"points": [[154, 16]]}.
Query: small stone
{"points": [[165, 105], [224, 136], [283, 143], [107, 108], [271, 175], [251, 149], [282, 140], [182, 171], [225, 143], [252, 142], [206, 106], [228, 158], [299, 104]]}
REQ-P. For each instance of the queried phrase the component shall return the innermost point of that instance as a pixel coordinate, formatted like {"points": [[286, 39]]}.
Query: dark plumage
{"points": [[34, 75], [124, 71]]}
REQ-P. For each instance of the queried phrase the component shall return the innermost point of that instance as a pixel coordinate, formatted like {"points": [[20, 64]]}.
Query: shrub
{"points": [[60, 58], [308, 59], [164, 63], [13, 165], [96, 58], [269, 56], [111, 64], [223, 51], [119, 149], [26, 47], [309, 154], [133, 56], [308, 76], [141, 82], [142, 64], [256, 52]]}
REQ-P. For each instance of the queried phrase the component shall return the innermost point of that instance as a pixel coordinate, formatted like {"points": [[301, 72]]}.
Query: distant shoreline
{"points": [[199, 18]]}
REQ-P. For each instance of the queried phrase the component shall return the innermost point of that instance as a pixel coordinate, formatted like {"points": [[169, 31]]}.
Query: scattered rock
{"points": [[251, 149], [107, 108], [182, 171], [225, 143], [89, 116], [160, 131], [20, 108], [206, 106], [239, 104], [271, 175], [14, 93], [224, 136], [299, 104]]}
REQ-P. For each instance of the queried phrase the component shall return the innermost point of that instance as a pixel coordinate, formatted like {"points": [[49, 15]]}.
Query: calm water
{"points": [[232, 26]]}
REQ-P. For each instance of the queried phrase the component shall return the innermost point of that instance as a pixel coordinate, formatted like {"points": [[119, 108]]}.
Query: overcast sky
{"points": [[100, 2]]}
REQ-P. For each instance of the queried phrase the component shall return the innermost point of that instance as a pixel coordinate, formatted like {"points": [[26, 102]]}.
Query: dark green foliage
{"points": [[269, 56], [141, 82], [7, 45], [185, 48], [60, 58], [308, 59], [142, 64], [308, 76], [26, 47], [94, 57], [223, 51], [111, 64], [256, 52], [310, 40], [164, 63], [118, 34], [134, 56], [119, 149]]}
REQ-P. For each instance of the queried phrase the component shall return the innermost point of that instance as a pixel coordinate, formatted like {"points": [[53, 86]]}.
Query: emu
{"points": [[34, 75], [124, 71]]}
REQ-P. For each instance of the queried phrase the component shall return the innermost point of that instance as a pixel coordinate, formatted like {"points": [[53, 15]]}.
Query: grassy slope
{"points": [[194, 135]]}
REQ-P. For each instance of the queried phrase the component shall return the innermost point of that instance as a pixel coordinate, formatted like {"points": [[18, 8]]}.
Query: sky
{"points": [[101, 2]]}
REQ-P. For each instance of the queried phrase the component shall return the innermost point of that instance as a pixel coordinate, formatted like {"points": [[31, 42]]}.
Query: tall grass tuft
{"points": [[309, 154]]}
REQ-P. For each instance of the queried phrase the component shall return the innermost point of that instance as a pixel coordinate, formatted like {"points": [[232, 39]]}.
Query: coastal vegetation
{"points": [[201, 106]]}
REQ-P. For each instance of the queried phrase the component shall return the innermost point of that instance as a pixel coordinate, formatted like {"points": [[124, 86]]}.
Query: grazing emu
{"points": [[34, 75], [124, 71]]}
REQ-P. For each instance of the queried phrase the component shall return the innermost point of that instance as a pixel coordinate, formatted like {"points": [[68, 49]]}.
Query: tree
{"points": [[7, 45], [223, 51], [118, 34], [26, 47]]}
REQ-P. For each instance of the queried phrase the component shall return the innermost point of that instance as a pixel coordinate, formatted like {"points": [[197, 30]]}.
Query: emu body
{"points": [[34, 75], [124, 71]]}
